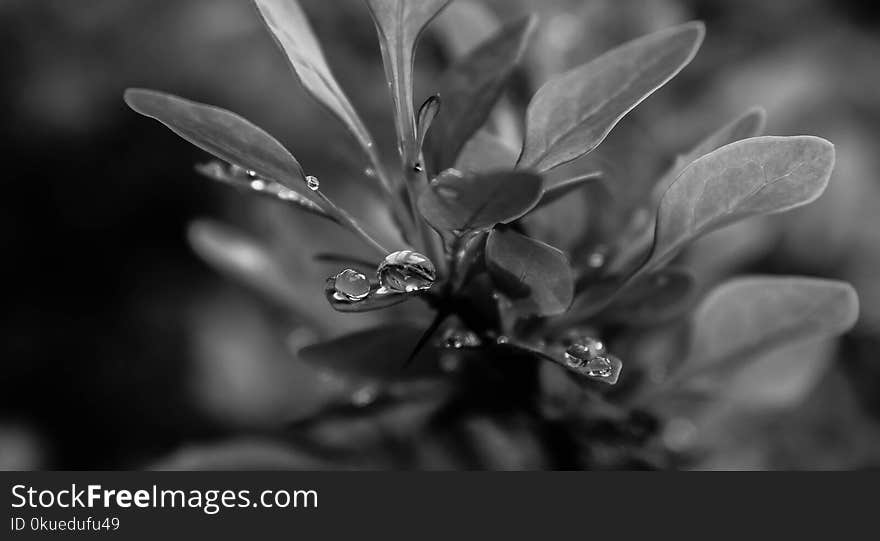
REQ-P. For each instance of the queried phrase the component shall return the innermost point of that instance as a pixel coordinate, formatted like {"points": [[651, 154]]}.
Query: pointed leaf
{"points": [[273, 190], [400, 23], [485, 152], [463, 202], [223, 134], [377, 353], [558, 191], [746, 317], [293, 33], [536, 277], [762, 175], [471, 88], [427, 113], [572, 114], [749, 124]]}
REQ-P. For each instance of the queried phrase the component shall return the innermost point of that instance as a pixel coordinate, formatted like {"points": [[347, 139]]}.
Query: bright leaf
{"points": [[400, 23], [287, 22], [762, 175], [472, 86], [572, 114], [223, 134], [456, 201], [536, 277]]}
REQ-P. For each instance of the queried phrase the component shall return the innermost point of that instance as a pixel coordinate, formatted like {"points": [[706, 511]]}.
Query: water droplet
{"points": [[502, 340], [597, 259], [418, 167], [583, 350], [459, 338], [251, 173], [365, 396], [406, 271], [313, 183], [598, 367], [351, 285], [370, 172], [258, 185]]}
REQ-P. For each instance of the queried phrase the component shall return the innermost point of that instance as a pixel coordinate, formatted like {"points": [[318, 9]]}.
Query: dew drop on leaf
{"points": [[313, 183], [418, 168], [258, 185], [406, 271], [351, 285], [596, 259], [502, 339], [370, 172], [454, 338], [581, 351]]}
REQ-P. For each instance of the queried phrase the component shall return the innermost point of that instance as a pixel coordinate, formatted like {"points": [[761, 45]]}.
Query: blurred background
{"points": [[121, 347]]}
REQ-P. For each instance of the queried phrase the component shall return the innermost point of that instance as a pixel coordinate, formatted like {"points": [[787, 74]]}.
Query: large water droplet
{"points": [[258, 185], [351, 285], [406, 271], [313, 183], [583, 351], [598, 367]]}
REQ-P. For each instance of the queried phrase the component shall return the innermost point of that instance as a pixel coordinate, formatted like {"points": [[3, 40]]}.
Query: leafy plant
{"points": [[522, 343]]}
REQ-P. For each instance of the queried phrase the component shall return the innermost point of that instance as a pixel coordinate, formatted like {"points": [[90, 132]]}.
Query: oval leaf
{"points": [[400, 23], [221, 133], [749, 124], [572, 114], [472, 86], [460, 202], [377, 353], [535, 277], [290, 27], [762, 175]]}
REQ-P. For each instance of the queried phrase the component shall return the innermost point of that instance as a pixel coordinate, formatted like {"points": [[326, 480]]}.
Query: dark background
{"points": [[102, 296]]}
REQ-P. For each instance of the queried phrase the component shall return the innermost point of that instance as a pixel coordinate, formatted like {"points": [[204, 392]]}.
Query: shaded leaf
{"points": [[460, 202], [377, 353], [400, 23], [748, 316], [535, 277], [659, 297], [427, 113], [290, 27], [749, 124], [347, 260], [267, 188], [221, 133], [562, 189], [472, 86], [485, 152], [378, 299], [762, 175], [573, 113]]}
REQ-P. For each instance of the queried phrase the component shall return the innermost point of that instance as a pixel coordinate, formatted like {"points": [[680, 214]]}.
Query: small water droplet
{"points": [[351, 285], [313, 183], [258, 185], [581, 351], [454, 338], [406, 271], [597, 259], [370, 172], [251, 173], [365, 396], [502, 340], [418, 167]]}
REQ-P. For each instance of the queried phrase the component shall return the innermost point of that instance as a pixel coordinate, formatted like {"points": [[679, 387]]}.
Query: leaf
{"points": [[347, 260], [291, 30], [377, 353], [749, 316], [536, 277], [749, 124], [485, 152], [244, 259], [460, 202], [762, 175], [378, 299], [472, 86], [573, 113], [427, 113], [273, 190], [560, 190], [221, 133], [400, 23]]}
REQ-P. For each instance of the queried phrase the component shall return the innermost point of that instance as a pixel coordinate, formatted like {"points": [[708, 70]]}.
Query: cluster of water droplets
{"points": [[404, 271], [589, 357]]}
